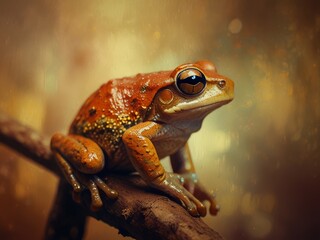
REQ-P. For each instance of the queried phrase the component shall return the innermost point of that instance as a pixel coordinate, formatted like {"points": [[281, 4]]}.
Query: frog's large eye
{"points": [[191, 81]]}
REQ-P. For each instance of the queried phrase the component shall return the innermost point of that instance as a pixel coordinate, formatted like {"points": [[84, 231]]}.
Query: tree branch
{"points": [[140, 211]]}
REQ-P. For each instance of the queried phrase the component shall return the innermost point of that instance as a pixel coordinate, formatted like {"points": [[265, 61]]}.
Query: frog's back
{"points": [[116, 106]]}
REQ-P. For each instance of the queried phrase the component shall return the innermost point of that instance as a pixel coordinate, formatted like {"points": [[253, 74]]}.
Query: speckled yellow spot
{"points": [[107, 132]]}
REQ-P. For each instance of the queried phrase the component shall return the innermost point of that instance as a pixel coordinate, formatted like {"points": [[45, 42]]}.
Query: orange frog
{"points": [[129, 124]]}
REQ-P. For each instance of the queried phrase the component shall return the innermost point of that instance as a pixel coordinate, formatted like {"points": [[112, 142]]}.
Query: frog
{"points": [[129, 124]]}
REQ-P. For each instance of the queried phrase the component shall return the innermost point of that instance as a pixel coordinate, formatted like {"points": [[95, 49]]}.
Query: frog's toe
{"points": [[202, 210], [193, 211], [193, 205], [75, 185], [110, 193], [96, 202], [69, 172], [214, 209], [200, 207], [197, 210]]}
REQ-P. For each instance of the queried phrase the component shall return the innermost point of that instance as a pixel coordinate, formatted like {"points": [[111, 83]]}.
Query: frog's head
{"points": [[197, 90]]}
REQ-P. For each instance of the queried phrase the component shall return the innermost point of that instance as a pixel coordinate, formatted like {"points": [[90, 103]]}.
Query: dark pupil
{"points": [[191, 81]]}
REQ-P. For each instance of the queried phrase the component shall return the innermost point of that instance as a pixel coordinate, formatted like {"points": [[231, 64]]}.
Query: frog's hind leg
{"points": [[75, 178], [80, 159]]}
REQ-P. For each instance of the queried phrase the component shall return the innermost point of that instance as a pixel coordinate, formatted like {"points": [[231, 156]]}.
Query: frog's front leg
{"points": [[80, 159], [143, 155], [182, 164]]}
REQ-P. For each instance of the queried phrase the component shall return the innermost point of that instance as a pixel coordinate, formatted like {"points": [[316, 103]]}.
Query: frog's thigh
{"points": [[83, 153], [142, 152]]}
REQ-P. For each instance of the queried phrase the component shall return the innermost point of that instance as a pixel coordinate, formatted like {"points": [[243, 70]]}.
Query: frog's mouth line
{"points": [[208, 107]]}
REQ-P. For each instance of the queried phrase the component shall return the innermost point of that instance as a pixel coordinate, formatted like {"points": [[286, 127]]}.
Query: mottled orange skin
{"points": [[129, 124], [116, 106]]}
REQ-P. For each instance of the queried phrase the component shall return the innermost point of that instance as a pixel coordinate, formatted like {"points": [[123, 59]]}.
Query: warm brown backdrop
{"points": [[260, 154]]}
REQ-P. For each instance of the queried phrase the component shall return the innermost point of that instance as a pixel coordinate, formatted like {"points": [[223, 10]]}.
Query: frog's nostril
{"points": [[222, 84]]}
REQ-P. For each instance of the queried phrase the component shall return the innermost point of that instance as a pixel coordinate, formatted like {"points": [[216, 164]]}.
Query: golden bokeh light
{"points": [[259, 154]]}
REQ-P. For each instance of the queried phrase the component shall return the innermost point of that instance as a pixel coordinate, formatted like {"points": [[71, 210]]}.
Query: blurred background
{"points": [[260, 154]]}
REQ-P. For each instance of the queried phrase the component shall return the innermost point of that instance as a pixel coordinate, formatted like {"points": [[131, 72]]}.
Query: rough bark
{"points": [[139, 212]]}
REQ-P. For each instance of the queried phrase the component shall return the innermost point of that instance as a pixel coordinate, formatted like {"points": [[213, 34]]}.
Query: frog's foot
{"points": [[202, 194], [172, 185], [80, 181], [93, 183], [191, 183]]}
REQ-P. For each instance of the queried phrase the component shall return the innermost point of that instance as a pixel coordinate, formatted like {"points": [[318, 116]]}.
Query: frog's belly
{"points": [[169, 146], [166, 142], [120, 161]]}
